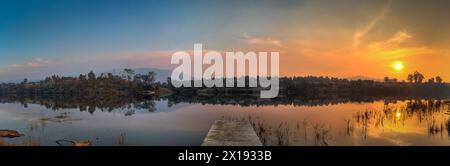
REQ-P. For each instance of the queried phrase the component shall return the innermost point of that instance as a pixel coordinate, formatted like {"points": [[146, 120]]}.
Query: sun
{"points": [[398, 66]]}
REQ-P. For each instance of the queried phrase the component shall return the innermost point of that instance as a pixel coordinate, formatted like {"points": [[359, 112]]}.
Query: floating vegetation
{"points": [[363, 124], [63, 117], [121, 139], [430, 112], [282, 134], [26, 142], [10, 133], [129, 112], [321, 135], [262, 130], [286, 134], [435, 128], [64, 142], [349, 127]]}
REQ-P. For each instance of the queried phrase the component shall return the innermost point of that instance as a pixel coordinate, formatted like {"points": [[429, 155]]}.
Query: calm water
{"points": [[408, 122]]}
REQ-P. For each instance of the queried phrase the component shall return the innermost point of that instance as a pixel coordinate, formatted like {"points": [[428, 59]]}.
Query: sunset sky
{"points": [[340, 38]]}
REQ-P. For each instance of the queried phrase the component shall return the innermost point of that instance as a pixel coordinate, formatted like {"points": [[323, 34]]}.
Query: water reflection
{"points": [[131, 104], [104, 104], [181, 120], [362, 124]]}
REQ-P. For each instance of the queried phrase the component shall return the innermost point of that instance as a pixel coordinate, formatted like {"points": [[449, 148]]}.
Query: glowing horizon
{"points": [[321, 38]]}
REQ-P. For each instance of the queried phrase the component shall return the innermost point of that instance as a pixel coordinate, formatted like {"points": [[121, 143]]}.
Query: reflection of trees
{"points": [[323, 87], [103, 103], [146, 104], [255, 100]]}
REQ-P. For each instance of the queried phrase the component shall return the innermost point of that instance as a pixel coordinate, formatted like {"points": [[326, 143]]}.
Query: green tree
{"points": [[82, 77], [149, 79], [439, 79], [410, 78], [91, 76], [129, 73], [418, 77]]}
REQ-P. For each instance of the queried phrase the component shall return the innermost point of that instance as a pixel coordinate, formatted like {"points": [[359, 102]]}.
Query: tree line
{"points": [[324, 87], [88, 85], [131, 84], [417, 77]]}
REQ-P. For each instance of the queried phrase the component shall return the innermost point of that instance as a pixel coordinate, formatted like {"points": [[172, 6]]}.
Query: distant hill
{"points": [[361, 77]]}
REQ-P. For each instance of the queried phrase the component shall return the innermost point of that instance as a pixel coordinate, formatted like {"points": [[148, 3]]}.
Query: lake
{"points": [[164, 122]]}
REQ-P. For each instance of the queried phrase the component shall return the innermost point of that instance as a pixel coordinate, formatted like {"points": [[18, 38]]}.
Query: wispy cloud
{"points": [[360, 33], [37, 62], [262, 41], [39, 68], [394, 47], [392, 43]]}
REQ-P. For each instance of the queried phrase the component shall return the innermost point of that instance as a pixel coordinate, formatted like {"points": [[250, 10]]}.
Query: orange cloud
{"points": [[391, 43], [393, 47]]}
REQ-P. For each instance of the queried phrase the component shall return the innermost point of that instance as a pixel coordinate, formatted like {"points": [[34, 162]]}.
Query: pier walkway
{"points": [[231, 133]]}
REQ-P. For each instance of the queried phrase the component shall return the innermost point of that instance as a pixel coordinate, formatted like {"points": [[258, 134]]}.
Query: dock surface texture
{"points": [[231, 133]]}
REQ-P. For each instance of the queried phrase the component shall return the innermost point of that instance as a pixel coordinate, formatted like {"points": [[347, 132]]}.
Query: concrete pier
{"points": [[231, 133]]}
